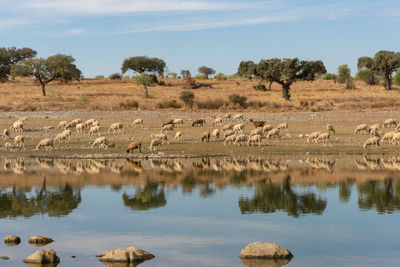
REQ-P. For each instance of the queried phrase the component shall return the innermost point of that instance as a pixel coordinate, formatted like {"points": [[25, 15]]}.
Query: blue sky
{"points": [[100, 34]]}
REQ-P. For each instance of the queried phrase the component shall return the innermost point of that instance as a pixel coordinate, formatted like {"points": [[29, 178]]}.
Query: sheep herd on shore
{"points": [[229, 131]]}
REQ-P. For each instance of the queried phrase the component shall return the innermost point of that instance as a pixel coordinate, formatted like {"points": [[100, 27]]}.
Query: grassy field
{"points": [[104, 94]]}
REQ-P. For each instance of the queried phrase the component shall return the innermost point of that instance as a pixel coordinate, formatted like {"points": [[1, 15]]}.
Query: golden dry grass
{"points": [[104, 94]]}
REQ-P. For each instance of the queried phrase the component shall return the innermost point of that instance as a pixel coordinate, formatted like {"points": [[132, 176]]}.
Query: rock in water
{"points": [[4, 258], [265, 250], [43, 256], [39, 240], [130, 254], [12, 240], [264, 262]]}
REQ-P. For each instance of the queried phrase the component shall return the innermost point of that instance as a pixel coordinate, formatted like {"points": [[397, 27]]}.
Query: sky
{"points": [[100, 34]]}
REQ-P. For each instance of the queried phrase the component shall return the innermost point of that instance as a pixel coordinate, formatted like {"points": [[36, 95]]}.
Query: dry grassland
{"points": [[103, 94]]}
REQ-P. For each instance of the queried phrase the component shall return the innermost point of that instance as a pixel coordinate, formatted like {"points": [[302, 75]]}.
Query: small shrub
{"points": [[115, 76], [260, 87], [236, 99], [99, 77], [328, 76], [83, 98], [153, 78], [211, 104], [173, 75], [161, 83], [350, 84], [343, 74], [220, 76], [200, 76], [129, 104], [187, 97], [396, 78], [169, 104], [257, 104]]}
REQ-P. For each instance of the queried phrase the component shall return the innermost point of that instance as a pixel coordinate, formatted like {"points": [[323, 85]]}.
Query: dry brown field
{"points": [[104, 94]]}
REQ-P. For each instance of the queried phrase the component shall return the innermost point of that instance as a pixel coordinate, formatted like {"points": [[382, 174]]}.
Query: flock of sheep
{"points": [[228, 129]]}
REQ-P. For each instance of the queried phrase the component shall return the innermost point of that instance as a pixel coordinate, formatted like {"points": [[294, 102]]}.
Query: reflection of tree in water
{"points": [[345, 190], [384, 196], [21, 202], [270, 197], [147, 197]]}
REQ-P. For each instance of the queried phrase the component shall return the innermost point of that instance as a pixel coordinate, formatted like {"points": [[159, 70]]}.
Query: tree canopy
{"points": [[143, 64], [11, 56], [206, 71], [57, 67]]}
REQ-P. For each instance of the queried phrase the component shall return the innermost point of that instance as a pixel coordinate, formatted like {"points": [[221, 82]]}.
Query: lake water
{"points": [[327, 211]]}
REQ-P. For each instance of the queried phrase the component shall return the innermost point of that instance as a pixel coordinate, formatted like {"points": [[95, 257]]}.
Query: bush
{"points": [[83, 98], [162, 83], [129, 104], [153, 78], [187, 97], [200, 76], [236, 99], [173, 75], [396, 78], [260, 87], [99, 77], [169, 104], [257, 104], [115, 76], [367, 76], [220, 76], [211, 104], [343, 74], [328, 76]]}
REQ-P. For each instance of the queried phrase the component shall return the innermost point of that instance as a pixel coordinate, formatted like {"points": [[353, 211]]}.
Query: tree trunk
{"points": [[269, 86], [285, 91], [388, 82], [43, 89], [145, 90]]}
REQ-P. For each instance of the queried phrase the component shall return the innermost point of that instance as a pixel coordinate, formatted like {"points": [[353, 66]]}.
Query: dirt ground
{"points": [[291, 142]]}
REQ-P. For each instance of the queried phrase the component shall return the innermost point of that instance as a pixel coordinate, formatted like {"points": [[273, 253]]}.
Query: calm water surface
{"points": [[326, 211]]}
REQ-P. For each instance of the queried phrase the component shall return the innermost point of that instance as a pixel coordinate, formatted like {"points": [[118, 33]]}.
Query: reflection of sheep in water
{"points": [[362, 127], [46, 143], [321, 163], [360, 164], [374, 164]]}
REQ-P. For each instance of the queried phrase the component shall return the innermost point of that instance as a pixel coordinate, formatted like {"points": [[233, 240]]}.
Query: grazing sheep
{"points": [[62, 124], [19, 141], [257, 138], [226, 127], [17, 126], [267, 128], [396, 139], [313, 136], [161, 136], [96, 123], [137, 122], [374, 127], [241, 139], [283, 125], [257, 123], [178, 121], [198, 122], [228, 133], [94, 129], [166, 122], [374, 132], [362, 127], [373, 141], [217, 121], [273, 132], [22, 118], [227, 116], [230, 139], [79, 127], [329, 128], [216, 134], [89, 123], [116, 127], [238, 117], [72, 124], [168, 127], [256, 131], [134, 145], [178, 136], [46, 143], [388, 136], [8, 146], [390, 123], [6, 134], [324, 138], [63, 136], [205, 137], [155, 143], [101, 142], [238, 128]]}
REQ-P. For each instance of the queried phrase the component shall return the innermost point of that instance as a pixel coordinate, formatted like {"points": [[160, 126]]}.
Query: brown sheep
{"points": [[257, 123], [134, 145], [206, 137], [166, 122], [198, 122]]}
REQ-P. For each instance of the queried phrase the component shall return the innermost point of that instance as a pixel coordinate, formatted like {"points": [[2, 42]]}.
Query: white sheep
{"points": [[238, 116], [227, 116], [373, 141], [313, 136], [17, 126], [19, 141], [6, 134], [8, 146], [228, 133], [256, 131], [241, 139], [216, 134], [238, 128], [362, 127], [178, 121], [89, 123], [94, 129], [101, 142], [161, 136], [137, 122], [96, 123], [72, 124], [63, 136], [79, 127], [62, 124], [282, 126], [273, 132], [267, 128], [395, 139], [116, 127], [390, 123], [330, 128], [168, 127], [178, 136], [374, 132], [388, 136], [324, 138], [226, 127], [155, 143], [257, 138], [230, 139], [46, 143], [217, 121], [374, 127]]}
